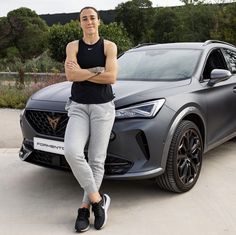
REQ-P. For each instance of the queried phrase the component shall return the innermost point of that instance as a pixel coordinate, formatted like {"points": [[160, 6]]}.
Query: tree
{"points": [[23, 36], [24, 30], [136, 16], [118, 34], [6, 37], [194, 22], [60, 36], [225, 23], [165, 22]]}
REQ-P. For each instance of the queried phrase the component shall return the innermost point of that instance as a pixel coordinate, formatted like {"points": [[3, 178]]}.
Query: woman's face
{"points": [[89, 21]]}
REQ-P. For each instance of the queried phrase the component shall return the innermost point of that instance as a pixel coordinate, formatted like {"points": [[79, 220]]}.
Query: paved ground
{"points": [[10, 128], [39, 201]]}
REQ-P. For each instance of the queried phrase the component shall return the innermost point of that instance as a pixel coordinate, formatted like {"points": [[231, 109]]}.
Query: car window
{"points": [[158, 64], [231, 58], [214, 61]]}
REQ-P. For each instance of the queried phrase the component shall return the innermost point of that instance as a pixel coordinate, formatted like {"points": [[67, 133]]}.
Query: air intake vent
{"points": [[142, 141]]}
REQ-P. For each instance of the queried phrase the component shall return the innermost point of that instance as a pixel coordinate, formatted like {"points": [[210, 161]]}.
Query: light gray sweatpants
{"points": [[93, 123]]}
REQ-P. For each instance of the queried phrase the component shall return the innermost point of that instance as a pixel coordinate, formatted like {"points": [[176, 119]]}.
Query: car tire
{"points": [[184, 160]]}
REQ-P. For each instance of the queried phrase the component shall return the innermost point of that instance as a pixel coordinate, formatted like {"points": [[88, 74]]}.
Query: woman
{"points": [[91, 64]]}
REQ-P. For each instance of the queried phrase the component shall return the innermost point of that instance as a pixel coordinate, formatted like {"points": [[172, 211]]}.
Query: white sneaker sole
{"points": [[84, 230], [107, 204]]}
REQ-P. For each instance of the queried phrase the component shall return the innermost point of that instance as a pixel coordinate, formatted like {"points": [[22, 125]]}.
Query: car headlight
{"points": [[143, 110]]}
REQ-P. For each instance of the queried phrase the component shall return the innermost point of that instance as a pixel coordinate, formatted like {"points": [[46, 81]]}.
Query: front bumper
{"points": [[135, 149]]}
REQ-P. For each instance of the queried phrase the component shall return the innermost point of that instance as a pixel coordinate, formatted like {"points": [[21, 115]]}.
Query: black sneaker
{"points": [[100, 211], [82, 221]]}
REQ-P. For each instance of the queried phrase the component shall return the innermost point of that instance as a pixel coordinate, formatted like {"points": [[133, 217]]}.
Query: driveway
{"points": [[11, 136], [35, 200], [39, 201]]}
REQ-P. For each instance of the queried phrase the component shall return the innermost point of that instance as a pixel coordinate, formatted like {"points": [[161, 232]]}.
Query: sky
{"points": [[68, 6]]}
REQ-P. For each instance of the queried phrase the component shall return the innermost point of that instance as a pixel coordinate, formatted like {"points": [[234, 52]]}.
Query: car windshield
{"points": [[158, 65]]}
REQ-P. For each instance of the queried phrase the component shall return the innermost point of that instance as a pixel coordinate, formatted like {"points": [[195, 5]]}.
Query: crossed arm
{"points": [[99, 75]]}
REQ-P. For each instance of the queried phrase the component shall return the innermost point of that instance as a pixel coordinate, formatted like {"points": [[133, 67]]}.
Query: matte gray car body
{"points": [[141, 146]]}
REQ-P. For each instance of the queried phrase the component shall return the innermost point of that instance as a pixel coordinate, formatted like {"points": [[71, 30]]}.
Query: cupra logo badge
{"points": [[53, 122]]}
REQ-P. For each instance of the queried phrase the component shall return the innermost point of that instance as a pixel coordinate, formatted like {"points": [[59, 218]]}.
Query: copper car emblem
{"points": [[53, 122]]}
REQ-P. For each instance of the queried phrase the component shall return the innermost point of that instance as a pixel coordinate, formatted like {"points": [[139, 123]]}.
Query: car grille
{"points": [[113, 165], [40, 121], [48, 123]]}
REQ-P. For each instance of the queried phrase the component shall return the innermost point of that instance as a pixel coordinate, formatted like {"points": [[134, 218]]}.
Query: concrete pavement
{"points": [[10, 133], [40, 201]]}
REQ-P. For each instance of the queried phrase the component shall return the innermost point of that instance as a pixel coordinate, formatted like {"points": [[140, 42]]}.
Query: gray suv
{"points": [[174, 102]]}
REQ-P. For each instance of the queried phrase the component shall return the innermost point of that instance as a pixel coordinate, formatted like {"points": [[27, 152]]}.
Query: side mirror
{"points": [[219, 75]]}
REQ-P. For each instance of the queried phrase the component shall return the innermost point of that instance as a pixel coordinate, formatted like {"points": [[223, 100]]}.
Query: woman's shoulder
{"points": [[73, 45], [109, 46], [108, 43]]}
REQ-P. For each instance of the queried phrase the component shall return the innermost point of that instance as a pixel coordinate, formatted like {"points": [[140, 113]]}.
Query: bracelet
{"points": [[96, 74]]}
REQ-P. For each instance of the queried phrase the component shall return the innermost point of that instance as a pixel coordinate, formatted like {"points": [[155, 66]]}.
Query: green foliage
{"points": [[225, 24], [194, 22], [22, 12], [15, 96], [24, 30], [165, 22], [12, 53], [42, 63], [24, 36], [118, 34], [32, 42], [136, 16], [60, 36], [11, 97], [8, 65], [6, 37]]}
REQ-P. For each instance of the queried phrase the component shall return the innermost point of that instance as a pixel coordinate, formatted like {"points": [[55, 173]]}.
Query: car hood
{"points": [[126, 92]]}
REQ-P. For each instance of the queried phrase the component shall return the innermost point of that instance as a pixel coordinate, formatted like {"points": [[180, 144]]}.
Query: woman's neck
{"points": [[91, 39]]}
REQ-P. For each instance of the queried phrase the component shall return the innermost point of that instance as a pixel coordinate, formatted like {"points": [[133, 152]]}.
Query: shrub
{"points": [[11, 97], [14, 96], [60, 36], [43, 63]]}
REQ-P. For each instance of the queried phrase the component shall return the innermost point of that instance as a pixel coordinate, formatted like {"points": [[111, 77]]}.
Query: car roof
{"points": [[182, 45]]}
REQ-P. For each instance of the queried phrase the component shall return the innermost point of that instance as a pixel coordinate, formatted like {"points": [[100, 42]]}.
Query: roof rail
{"points": [[217, 41], [144, 44], [139, 45]]}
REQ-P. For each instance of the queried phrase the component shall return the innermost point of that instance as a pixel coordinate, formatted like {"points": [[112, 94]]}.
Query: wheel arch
{"points": [[191, 114]]}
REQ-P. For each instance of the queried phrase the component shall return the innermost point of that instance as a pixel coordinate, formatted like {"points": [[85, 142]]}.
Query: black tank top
{"points": [[86, 92]]}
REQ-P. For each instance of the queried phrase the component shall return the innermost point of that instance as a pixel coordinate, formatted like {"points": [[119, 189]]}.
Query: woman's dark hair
{"points": [[85, 8]]}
